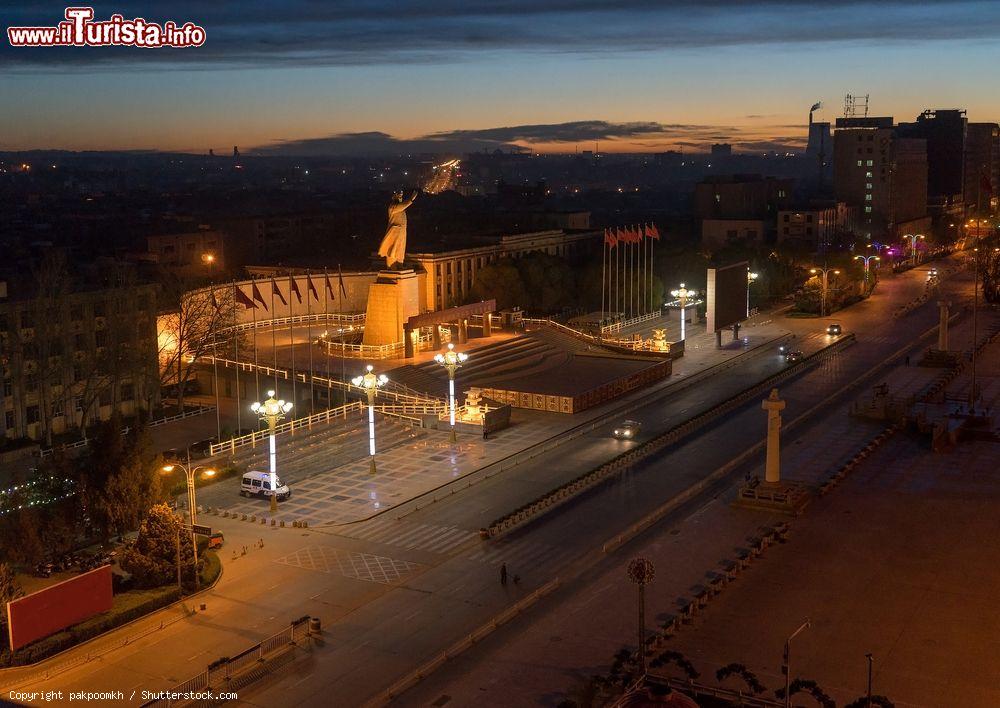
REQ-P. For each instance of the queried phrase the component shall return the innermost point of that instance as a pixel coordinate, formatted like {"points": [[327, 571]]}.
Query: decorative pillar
{"points": [[772, 468], [463, 331], [487, 324], [943, 306], [435, 336], [407, 342]]}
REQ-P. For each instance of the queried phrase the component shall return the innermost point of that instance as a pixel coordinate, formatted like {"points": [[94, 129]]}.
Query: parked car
{"points": [[793, 356], [627, 429], [216, 540], [833, 329]]}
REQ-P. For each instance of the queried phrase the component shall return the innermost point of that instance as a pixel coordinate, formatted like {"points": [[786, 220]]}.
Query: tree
{"points": [[190, 331], [152, 558], [10, 589], [807, 686], [749, 677], [502, 281]]}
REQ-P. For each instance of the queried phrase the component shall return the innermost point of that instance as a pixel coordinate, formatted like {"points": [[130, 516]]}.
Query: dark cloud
{"points": [[306, 32], [646, 134]]}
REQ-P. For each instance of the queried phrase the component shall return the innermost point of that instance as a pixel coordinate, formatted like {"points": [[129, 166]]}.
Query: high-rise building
{"points": [[944, 132], [883, 175], [982, 167]]}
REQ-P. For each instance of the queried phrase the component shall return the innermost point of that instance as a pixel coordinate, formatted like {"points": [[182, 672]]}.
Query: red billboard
{"points": [[58, 606]]}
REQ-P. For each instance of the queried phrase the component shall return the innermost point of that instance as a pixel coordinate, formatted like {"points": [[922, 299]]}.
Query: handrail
{"points": [[294, 319], [287, 427]]}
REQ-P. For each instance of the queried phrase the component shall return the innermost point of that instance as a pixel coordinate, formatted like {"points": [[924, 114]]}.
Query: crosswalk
{"points": [[410, 535]]}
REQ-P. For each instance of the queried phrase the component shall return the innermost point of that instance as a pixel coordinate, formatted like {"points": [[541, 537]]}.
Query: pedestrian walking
{"points": [[907, 359], [503, 573], [485, 434]]}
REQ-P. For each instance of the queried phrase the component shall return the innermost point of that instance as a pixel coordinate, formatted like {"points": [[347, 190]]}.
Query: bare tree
{"points": [[198, 321]]}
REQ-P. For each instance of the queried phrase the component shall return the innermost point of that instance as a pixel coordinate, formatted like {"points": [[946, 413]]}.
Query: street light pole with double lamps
{"points": [[682, 294], [189, 473], [451, 360], [786, 664], [913, 246], [370, 383], [272, 410], [866, 260], [826, 273]]}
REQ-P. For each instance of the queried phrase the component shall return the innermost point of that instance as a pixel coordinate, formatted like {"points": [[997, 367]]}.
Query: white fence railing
{"points": [[287, 427], [45, 452], [639, 319], [357, 320]]}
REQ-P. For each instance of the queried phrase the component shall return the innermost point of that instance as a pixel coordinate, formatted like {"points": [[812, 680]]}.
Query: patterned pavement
{"points": [[350, 564]]}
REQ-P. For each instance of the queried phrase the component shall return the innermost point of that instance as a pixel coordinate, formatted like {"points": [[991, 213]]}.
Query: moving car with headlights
{"points": [[627, 429], [258, 484], [793, 356], [833, 329]]}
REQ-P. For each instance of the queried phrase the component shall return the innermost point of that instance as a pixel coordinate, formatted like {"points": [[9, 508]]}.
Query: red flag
{"points": [[653, 232], [244, 300], [257, 296], [329, 286], [215, 301], [310, 287], [620, 235], [633, 235], [277, 291], [609, 238], [340, 278], [294, 287]]}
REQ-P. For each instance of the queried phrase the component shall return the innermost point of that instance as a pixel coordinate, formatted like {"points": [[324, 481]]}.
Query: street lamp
{"points": [[682, 294], [370, 384], [751, 277], [272, 410], [451, 360], [913, 245], [826, 275], [867, 260], [189, 472], [786, 666]]}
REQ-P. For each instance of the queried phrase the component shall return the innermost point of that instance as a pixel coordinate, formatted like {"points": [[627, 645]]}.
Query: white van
{"points": [[258, 484]]}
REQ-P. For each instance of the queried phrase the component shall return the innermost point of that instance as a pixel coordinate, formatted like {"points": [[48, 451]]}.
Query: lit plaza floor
{"points": [[328, 468]]}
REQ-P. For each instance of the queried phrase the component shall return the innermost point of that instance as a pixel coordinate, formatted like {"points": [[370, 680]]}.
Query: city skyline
{"points": [[552, 77]]}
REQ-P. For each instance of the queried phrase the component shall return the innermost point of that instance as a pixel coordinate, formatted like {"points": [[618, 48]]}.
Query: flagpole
{"points": [[256, 365], [215, 368], [291, 336], [326, 316], [236, 336], [340, 312], [312, 387], [274, 339], [604, 271]]}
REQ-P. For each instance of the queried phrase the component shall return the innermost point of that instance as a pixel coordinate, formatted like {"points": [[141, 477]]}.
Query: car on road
{"points": [[833, 329], [793, 356], [202, 448], [258, 484], [627, 429]]}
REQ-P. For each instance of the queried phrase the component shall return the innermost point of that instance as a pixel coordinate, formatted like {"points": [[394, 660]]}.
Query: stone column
{"points": [[407, 342], [943, 306], [463, 331], [487, 325], [772, 467], [436, 336]]}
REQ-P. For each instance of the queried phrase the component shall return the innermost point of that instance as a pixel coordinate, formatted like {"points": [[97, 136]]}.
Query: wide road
{"points": [[394, 593]]}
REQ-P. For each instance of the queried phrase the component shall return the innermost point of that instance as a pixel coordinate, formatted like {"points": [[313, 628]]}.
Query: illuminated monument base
{"points": [[393, 298]]}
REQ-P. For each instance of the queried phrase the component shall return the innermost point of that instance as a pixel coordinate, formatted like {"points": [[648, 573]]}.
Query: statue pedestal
{"points": [[392, 299]]}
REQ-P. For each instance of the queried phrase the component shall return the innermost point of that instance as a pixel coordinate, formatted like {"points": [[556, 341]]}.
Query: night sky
{"points": [[311, 77]]}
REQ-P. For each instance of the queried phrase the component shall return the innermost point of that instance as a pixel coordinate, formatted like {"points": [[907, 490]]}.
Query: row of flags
{"points": [[258, 297], [630, 234]]}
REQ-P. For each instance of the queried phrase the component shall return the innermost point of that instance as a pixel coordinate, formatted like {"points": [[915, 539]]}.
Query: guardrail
{"points": [[224, 674], [288, 427], [352, 319], [618, 326], [200, 410], [624, 461]]}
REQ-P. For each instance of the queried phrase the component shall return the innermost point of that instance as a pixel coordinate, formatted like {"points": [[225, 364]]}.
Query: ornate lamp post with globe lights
{"points": [[272, 410], [370, 383], [640, 572], [751, 277], [451, 360], [682, 294]]}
